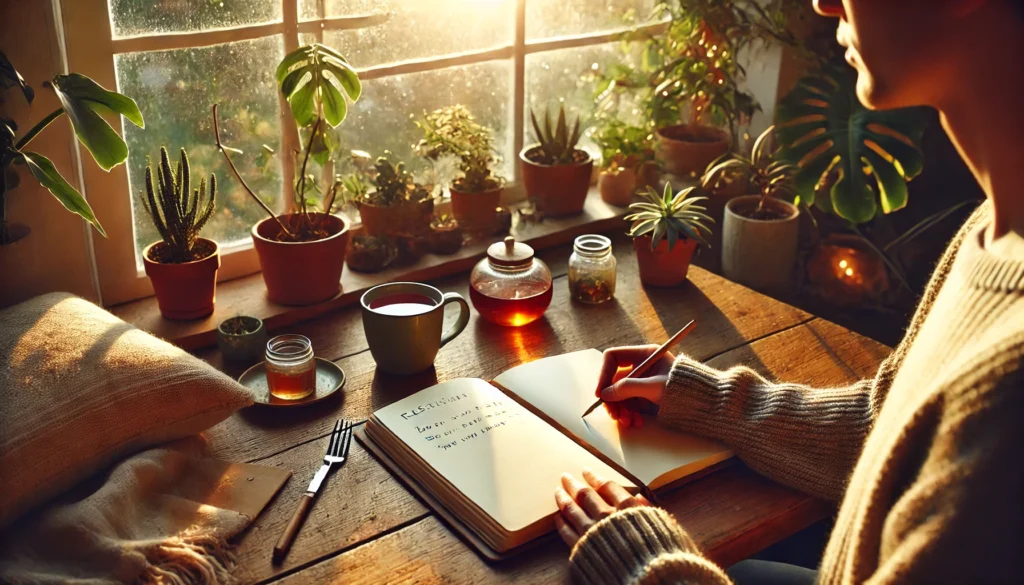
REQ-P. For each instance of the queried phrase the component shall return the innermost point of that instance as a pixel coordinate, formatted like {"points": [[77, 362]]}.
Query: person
{"points": [[925, 457]]}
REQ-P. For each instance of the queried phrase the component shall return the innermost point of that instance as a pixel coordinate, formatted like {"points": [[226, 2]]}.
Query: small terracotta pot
{"points": [[404, 218], [445, 240], [617, 188], [661, 266], [688, 150], [301, 273], [477, 212], [184, 291], [556, 190]]}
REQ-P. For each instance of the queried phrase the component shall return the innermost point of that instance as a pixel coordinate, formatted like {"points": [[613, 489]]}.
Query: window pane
{"points": [[567, 76], [141, 17], [421, 28], [552, 18], [175, 91], [384, 116]]}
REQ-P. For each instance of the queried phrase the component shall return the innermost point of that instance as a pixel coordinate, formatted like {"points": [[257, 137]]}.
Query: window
{"points": [[178, 57]]}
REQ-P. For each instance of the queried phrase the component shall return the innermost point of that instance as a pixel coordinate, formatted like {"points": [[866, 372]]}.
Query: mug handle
{"points": [[459, 325]]}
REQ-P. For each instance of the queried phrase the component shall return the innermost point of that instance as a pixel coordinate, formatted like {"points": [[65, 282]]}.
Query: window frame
{"points": [[91, 49]]}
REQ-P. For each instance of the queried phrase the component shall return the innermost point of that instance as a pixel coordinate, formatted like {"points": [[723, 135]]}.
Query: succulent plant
{"points": [[669, 215], [771, 177], [177, 211], [557, 147]]}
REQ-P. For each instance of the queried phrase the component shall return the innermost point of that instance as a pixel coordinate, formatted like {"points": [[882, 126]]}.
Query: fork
{"points": [[337, 453]]}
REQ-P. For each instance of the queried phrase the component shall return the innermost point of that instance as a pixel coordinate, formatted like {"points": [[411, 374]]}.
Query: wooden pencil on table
{"points": [[646, 365]]}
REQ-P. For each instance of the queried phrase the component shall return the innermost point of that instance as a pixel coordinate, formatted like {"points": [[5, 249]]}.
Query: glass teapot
{"points": [[510, 286]]}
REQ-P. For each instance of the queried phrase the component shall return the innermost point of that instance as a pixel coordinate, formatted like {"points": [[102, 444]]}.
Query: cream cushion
{"points": [[79, 389]]}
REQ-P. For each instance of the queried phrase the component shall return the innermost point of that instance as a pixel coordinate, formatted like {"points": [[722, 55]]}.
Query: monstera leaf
{"points": [[315, 78], [822, 127]]}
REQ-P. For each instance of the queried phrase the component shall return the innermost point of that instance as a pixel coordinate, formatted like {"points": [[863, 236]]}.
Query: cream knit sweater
{"points": [[926, 457]]}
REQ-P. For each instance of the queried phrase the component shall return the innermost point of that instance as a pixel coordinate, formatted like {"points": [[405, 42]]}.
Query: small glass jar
{"points": [[592, 270], [291, 367], [510, 287]]}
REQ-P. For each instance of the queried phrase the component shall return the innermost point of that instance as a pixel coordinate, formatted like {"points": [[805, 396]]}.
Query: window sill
{"points": [[247, 295]]}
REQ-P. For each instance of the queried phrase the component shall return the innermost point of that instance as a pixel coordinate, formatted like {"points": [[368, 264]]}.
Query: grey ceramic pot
{"points": [[246, 346]]}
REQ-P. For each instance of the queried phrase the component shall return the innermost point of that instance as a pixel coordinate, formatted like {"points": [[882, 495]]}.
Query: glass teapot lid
{"points": [[509, 253]]}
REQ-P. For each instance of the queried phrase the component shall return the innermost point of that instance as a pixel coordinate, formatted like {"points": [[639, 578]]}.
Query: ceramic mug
{"points": [[402, 322]]}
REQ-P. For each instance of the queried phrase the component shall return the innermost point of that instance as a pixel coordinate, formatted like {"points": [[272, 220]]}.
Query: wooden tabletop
{"points": [[366, 528]]}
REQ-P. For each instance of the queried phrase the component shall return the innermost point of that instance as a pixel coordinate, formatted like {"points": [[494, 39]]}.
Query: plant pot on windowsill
{"points": [[476, 211], [445, 235], [185, 290], [759, 247], [242, 338], [557, 190], [402, 217], [370, 253], [301, 273], [663, 266], [686, 150]]}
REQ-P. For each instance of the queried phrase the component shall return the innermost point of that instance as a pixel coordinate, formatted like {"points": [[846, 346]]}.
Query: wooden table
{"points": [[366, 528]]}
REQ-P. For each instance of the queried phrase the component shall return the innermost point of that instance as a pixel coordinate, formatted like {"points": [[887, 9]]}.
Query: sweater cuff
{"points": [[691, 398], [628, 546]]}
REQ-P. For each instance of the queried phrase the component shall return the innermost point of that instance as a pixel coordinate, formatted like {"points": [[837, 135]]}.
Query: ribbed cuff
{"points": [[640, 545], [692, 398]]}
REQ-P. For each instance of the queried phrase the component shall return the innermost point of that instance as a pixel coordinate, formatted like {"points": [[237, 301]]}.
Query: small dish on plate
{"points": [[329, 379]]}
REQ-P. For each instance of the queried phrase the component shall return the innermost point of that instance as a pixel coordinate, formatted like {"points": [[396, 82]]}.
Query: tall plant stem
{"points": [[223, 150], [39, 127], [300, 191]]}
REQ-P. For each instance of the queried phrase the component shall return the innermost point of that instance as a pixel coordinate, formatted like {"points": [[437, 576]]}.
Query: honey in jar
{"points": [[291, 367], [510, 287]]}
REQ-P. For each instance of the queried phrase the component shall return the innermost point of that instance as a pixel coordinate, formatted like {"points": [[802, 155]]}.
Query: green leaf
{"points": [[333, 104], [44, 172], [83, 100], [823, 126], [315, 78], [303, 104], [300, 55]]}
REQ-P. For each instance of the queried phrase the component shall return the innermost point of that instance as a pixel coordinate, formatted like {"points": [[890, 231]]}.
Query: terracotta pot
{"points": [[556, 190], [445, 240], [661, 266], [404, 218], [759, 253], [688, 150], [477, 212], [301, 273], [617, 188], [184, 291]]}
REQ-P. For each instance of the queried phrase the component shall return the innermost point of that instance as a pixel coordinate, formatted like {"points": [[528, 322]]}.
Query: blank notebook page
{"points": [[492, 449], [563, 388]]}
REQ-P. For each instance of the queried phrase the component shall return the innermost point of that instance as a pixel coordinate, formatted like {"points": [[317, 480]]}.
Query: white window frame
{"points": [[91, 51]]}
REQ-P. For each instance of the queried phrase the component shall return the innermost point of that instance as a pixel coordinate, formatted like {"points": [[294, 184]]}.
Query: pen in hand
{"points": [[646, 365]]}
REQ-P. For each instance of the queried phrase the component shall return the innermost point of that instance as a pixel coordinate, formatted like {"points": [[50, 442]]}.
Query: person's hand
{"points": [[626, 399], [580, 506]]}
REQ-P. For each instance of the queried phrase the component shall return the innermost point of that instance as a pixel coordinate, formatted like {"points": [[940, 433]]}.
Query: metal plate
{"points": [[329, 379]]}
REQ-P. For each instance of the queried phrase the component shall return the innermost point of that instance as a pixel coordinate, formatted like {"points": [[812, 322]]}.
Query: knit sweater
{"points": [[925, 457]]}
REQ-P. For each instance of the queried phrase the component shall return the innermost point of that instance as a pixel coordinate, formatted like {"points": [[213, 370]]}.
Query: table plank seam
{"points": [[296, 445], [312, 562], [753, 340]]}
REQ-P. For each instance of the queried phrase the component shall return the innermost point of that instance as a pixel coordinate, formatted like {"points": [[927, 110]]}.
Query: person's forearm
{"points": [[803, 437]]}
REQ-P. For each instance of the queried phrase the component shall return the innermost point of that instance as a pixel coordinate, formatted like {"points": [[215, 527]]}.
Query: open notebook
{"points": [[491, 454]]}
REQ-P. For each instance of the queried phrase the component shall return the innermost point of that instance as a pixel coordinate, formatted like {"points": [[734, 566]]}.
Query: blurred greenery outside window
{"points": [[413, 56]]}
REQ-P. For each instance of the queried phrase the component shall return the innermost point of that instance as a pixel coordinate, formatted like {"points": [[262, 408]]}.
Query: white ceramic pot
{"points": [[759, 253]]}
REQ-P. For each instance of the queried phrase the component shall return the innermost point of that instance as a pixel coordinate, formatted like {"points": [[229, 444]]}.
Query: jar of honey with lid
{"points": [[510, 286]]}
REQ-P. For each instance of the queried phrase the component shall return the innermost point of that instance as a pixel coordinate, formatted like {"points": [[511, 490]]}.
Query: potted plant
{"points": [[398, 206], [182, 266], [476, 194], [689, 82], [242, 338], [760, 231], [370, 253], [302, 253], [82, 99], [666, 229], [626, 161], [556, 174], [445, 235]]}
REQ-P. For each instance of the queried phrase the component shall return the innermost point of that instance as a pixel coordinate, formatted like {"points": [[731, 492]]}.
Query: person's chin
{"points": [[869, 93]]}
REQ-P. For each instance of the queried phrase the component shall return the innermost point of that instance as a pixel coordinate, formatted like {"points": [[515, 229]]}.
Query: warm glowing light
{"points": [[849, 272], [843, 263]]}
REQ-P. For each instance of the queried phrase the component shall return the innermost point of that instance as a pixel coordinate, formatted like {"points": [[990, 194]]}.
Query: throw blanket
{"points": [[161, 516]]}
